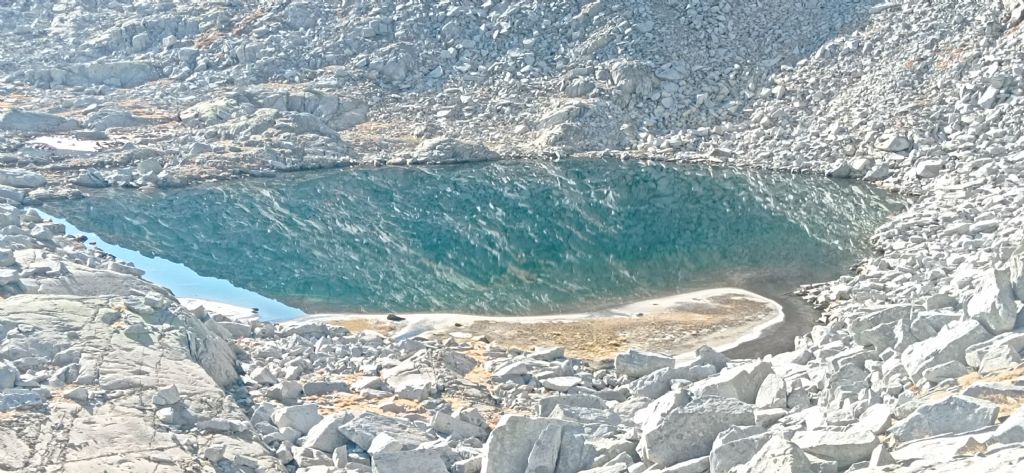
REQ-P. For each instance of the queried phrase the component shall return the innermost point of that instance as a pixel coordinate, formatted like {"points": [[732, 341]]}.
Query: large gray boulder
{"points": [[843, 447], [364, 426], [21, 178], [511, 444], [778, 455], [772, 393], [949, 344], [35, 122], [738, 382], [324, 436], [420, 461], [978, 352], [689, 431], [993, 304], [736, 446], [635, 364], [302, 417], [956, 414]]}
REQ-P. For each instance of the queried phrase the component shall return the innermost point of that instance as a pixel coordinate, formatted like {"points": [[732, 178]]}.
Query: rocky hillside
{"points": [[916, 365]]}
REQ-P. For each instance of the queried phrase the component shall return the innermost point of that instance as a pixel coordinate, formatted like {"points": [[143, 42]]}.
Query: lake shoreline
{"points": [[735, 331]]}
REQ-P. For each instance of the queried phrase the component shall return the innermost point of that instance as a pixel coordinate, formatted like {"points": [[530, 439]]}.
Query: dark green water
{"points": [[499, 238]]}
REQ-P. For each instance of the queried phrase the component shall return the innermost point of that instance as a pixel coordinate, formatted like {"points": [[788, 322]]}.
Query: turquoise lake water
{"points": [[510, 237]]}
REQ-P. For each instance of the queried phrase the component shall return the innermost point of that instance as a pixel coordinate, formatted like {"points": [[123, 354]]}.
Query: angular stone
{"points": [[561, 383], [508, 448], [364, 426], [635, 364], [324, 436], [928, 169], [544, 454], [384, 443], [778, 456], [35, 122], [992, 304], [956, 414], [547, 404], [772, 393], [166, 396], [689, 431], [949, 345], [738, 382], [736, 446], [21, 178], [894, 143], [880, 456], [420, 461], [318, 388], [845, 448], [995, 392], [456, 428], [976, 353], [302, 417], [875, 419], [8, 374], [1001, 358]]}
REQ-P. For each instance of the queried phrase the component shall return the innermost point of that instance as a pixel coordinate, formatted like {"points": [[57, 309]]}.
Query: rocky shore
{"points": [[916, 364]]}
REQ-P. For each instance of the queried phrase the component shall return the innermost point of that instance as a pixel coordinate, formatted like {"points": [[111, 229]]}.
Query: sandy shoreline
{"points": [[723, 318]]}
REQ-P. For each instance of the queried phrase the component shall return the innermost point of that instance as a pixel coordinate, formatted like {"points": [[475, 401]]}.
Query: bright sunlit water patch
{"points": [[498, 238]]}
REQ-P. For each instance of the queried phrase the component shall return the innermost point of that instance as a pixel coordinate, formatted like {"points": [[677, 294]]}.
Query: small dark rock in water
{"points": [[458, 324], [395, 318]]}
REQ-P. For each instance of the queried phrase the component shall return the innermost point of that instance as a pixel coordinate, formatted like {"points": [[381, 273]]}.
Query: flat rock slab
{"points": [[116, 433]]}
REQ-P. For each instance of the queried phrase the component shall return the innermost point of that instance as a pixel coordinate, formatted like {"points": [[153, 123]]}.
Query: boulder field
{"points": [[915, 366]]}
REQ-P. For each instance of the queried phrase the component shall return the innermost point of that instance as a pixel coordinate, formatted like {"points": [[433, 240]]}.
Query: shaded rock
{"points": [[635, 363], [993, 305], [845, 448], [736, 446], [544, 454], [771, 393], [689, 431], [949, 345], [425, 461], [956, 414], [779, 456], [364, 426], [35, 122], [166, 396], [324, 436], [21, 178], [508, 448], [738, 382], [302, 417]]}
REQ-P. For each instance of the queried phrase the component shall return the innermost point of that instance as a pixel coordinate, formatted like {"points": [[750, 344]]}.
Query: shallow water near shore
{"points": [[511, 238]]}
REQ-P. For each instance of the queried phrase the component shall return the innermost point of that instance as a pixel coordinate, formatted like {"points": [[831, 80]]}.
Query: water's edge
{"points": [[182, 280]]}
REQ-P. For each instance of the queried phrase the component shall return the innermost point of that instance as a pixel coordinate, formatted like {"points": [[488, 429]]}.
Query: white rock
{"points": [[845, 448], [956, 414], [166, 396], [324, 436], [302, 417], [561, 383], [993, 305], [21, 178], [949, 345], [544, 454], [635, 363], [689, 431]]}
